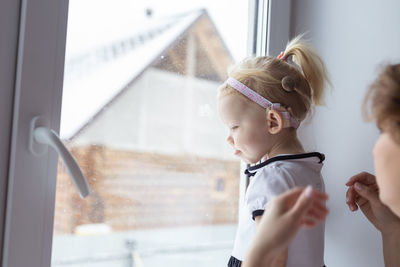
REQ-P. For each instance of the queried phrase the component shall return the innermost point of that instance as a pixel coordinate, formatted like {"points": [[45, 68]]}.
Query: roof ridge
{"points": [[188, 12], [95, 59], [115, 49], [118, 48]]}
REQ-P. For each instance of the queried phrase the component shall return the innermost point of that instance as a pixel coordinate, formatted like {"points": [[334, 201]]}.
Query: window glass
{"points": [[139, 114]]}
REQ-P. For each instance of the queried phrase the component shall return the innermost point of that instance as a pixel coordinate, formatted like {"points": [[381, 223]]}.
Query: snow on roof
{"points": [[103, 56]]}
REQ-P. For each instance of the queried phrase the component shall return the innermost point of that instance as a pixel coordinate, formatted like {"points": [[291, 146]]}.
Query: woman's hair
{"points": [[296, 80], [382, 101]]}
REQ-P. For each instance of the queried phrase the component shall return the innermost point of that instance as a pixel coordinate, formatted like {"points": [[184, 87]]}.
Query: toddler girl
{"points": [[262, 103]]}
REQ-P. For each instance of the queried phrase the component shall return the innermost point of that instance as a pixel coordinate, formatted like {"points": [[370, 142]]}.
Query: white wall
{"points": [[353, 37]]}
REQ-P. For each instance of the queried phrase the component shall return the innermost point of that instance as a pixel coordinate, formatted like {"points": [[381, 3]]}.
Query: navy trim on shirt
{"points": [[251, 171], [233, 262], [257, 213]]}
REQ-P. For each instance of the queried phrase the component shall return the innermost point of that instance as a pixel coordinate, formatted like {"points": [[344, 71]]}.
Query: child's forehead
{"points": [[233, 98], [236, 105]]}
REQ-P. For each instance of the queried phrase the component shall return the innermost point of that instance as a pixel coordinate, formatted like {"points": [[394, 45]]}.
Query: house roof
{"points": [[102, 61]]}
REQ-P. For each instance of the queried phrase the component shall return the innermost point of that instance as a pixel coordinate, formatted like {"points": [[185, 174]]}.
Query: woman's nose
{"points": [[230, 140]]}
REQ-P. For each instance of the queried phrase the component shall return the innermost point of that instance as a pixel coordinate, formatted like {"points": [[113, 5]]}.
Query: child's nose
{"points": [[230, 140]]}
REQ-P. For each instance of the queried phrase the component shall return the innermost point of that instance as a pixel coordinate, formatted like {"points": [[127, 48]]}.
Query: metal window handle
{"points": [[46, 136]]}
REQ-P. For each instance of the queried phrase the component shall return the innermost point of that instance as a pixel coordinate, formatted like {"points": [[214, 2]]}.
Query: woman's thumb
{"points": [[366, 192], [303, 203]]}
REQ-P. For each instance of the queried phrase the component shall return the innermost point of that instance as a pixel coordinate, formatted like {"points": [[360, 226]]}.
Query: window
{"points": [[146, 135], [139, 114]]}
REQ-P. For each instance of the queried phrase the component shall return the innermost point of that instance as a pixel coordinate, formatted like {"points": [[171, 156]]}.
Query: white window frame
{"points": [[32, 39], [270, 27], [37, 91], [269, 31], [9, 14]]}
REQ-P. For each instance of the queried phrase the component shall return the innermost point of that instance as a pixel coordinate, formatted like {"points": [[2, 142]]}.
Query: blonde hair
{"points": [[295, 83], [382, 101]]}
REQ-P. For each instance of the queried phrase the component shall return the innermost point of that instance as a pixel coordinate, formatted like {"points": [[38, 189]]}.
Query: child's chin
{"points": [[249, 161]]}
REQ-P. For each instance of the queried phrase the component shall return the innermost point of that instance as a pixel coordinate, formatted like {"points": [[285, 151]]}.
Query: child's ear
{"points": [[275, 121]]}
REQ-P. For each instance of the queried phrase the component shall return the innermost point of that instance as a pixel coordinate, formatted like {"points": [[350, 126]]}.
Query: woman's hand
{"points": [[363, 193], [281, 220]]}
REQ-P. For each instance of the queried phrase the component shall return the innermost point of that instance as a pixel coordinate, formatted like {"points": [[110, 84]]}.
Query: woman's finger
{"points": [[368, 193], [305, 203], [363, 177], [317, 195], [286, 201], [317, 213], [361, 201], [308, 223], [351, 198], [319, 209]]}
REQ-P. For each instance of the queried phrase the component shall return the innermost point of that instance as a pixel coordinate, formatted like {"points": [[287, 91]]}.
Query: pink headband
{"points": [[265, 103]]}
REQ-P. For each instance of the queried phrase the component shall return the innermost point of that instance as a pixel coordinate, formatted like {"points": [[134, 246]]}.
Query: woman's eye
{"points": [[234, 127], [380, 129]]}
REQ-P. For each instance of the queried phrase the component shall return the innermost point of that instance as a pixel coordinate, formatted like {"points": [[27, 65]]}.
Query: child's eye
{"points": [[234, 127]]}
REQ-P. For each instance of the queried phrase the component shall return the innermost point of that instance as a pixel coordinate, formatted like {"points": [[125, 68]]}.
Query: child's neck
{"points": [[288, 144]]}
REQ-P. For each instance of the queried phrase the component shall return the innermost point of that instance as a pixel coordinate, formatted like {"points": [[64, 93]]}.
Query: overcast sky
{"points": [[230, 16]]}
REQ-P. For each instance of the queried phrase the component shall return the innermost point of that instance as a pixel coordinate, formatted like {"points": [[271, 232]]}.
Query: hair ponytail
{"points": [[295, 86], [311, 65]]}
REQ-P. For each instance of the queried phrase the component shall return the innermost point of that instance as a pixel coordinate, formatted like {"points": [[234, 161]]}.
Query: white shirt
{"points": [[273, 177]]}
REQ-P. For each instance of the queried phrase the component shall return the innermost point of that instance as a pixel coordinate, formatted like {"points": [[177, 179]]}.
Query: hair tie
{"points": [[282, 56]]}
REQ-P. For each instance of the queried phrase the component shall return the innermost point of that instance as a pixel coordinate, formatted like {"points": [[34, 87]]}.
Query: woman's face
{"points": [[387, 166]]}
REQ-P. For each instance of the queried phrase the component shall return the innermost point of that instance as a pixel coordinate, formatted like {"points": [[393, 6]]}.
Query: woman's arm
{"points": [[280, 260], [363, 193], [391, 249]]}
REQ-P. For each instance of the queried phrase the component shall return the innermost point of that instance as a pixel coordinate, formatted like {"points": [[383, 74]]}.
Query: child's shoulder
{"points": [[270, 181], [280, 168], [290, 170], [294, 163], [275, 173]]}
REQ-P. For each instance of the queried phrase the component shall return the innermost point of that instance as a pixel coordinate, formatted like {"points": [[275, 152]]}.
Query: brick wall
{"points": [[135, 190]]}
